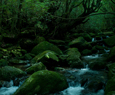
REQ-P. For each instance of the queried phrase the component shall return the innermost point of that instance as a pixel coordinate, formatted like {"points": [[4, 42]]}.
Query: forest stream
{"points": [[80, 81]]}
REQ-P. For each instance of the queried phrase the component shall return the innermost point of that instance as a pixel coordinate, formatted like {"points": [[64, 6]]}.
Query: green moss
{"points": [[42, 82], [43, 46], [8, 73], [45, 55], [35, 67], [86, 52], [110, 41]]}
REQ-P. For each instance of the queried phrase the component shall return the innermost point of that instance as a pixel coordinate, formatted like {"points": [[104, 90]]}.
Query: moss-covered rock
{"points": [[8, 73], [86, 52], [111, 56], [3, 62], [80, 43], [73, 58], [36, 67], [97, 64], [42, 82], [111, 68], [110, 86], [48, 58], [43, 46], [110, 41], [99, 47]]}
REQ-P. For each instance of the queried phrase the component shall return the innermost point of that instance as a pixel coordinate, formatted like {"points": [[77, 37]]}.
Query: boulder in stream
{"points": [[73, 58], [35, 67], [80, 43], [9, 73], [110, 41], [42, 82]]}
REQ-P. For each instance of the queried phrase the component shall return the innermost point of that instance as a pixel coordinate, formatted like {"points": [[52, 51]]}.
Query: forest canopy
{"points": [[53, 18]]}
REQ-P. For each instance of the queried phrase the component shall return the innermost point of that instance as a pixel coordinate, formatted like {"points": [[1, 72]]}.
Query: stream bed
{"points": [[82, 81]]}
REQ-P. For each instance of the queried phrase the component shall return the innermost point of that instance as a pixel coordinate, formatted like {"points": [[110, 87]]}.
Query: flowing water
{"points": [[74, 77]]}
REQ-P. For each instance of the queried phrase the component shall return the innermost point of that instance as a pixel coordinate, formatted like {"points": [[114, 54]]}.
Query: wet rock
{"points": [[93, 81], [43, 46], [8, 73], [35, 67], [49, 58], [73, 58], [80, 43], [110, 41], [42, 82], [110, 86]]}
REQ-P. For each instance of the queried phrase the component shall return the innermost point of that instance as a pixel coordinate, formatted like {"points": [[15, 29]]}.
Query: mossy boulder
{"points": [[111, 56], [110, 86], [73, 58], [43, 46], [42, 82], [97, 64], [8, 73], [110, 41], [111, 68], [99, 47], [35, 67], [80, 43], [86, 52], [3, 62], [49, 58]]}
